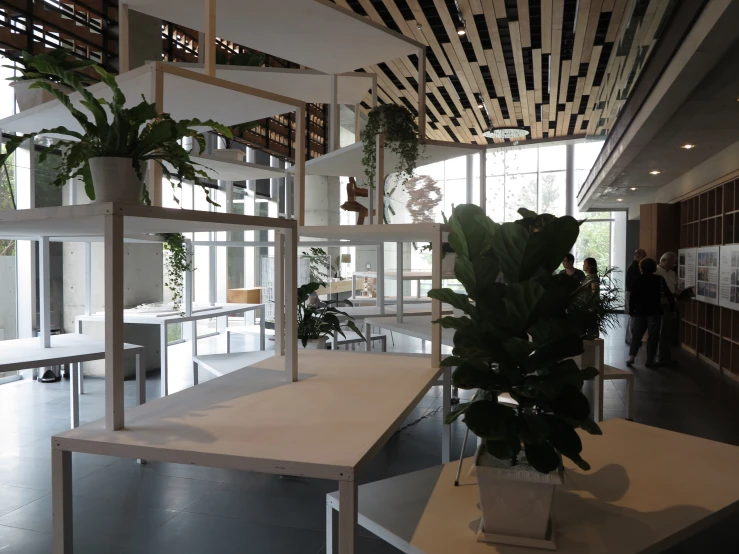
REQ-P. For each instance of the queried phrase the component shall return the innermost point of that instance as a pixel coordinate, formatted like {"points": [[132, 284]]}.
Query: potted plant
{"points": [[111, 152], [516, 339], [399, 128], [319, 320], [31, 70], [177, 262]]}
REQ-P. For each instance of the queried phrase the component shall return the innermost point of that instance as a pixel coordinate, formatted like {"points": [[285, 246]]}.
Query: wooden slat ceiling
{"points": [[558, 68]]}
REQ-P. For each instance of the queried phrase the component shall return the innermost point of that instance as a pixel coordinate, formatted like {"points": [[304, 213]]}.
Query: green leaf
{"points": [[454, 299], [509, 244], [506, 449], [457, 413], [469, 375], [542, 457], [571, 402], [489, 420], [556, 350], [546, 248], [563, 437], [590, 426], [589, 373]]}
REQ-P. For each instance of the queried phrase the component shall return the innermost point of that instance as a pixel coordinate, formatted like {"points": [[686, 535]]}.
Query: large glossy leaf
{"points": [[555, 350], [470, 376], [565, 439], [454, 299], [519, 303], [489, 420], [509, 245], [571, 402], [505, 449], [472, 229], [546, 248], [542, 457]]}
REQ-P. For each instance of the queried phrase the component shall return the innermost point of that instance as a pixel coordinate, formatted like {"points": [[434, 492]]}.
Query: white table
{"points": [[417, 276], [648, 489], [164, 320], [418, 326], [72, 349], [326, 425]]}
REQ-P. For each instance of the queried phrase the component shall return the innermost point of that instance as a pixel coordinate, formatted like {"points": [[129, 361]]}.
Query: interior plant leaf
{"points": [[400, 131], [454, 299], [542, 457], [489, 420], [509, 244], [504, 449]]}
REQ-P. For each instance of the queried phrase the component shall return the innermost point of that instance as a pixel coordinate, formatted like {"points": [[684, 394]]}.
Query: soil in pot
{"points": [[516, 501]]}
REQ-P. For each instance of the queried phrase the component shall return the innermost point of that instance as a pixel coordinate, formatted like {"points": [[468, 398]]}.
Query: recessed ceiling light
{"points": [[655, 172], [461, 31], [632, 188], [688, 146], [619, 199], [481, 105]]}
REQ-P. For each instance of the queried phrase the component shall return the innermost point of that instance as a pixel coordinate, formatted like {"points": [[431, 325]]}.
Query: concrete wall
{"points": [[8, 322]]}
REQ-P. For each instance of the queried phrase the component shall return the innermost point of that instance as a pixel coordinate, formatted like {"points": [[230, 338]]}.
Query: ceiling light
{"points": [[619, 199], [481, 105], [655, 172], [461, 31], [506, 133], [632, 188], [688, 146]]}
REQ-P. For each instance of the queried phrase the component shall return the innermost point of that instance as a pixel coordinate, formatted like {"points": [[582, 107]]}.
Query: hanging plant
{"points": [[176, 263], [398, 126]]}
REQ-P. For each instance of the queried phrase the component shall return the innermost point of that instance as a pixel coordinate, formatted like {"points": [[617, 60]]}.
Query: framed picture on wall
{"points": [[686, 260], [729, 277]]}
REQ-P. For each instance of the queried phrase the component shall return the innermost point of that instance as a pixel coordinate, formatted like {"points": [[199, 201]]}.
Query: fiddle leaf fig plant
{"points": [[115, 129], [176, 263], [398, 126], [320, 319], [516, 338]]}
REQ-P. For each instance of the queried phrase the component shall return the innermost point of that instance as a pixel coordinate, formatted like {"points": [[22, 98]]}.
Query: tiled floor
{"points": [[121, 507]]}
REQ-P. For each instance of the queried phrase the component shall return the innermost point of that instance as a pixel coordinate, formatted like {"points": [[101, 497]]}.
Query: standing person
{"points": [[632, 273], [590, 268], [569, 268], [669, 312], [648, 292]]}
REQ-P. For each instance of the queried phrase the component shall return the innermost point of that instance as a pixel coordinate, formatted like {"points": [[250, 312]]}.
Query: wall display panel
{"points": [[686, 268], [707, 272], [729, 277]]}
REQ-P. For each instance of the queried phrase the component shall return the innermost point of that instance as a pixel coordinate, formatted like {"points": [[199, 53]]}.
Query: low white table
{"points": [[167, 318], [648, 490], [327, 425], [418, 326], [72, 349]]}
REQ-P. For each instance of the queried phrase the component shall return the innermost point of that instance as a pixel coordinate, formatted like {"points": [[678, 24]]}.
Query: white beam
{"points": [[44, 292], [334, 143], [299, 172], [114, 370], [209, 47]]}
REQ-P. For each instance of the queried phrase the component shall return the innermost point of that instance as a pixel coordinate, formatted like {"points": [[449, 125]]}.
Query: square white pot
{"points": [[516, 501], [313, 344]]}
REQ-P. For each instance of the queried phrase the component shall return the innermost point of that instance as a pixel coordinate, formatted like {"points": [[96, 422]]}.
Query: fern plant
{"points": [[114, 130], [398, 126]]}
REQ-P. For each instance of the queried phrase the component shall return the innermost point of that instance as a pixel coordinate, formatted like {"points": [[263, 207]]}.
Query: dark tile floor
{"points": [[121, 507]]}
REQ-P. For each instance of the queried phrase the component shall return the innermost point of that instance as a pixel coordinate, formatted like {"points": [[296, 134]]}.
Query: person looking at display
{"points": [[669, 311], [569, 268]]}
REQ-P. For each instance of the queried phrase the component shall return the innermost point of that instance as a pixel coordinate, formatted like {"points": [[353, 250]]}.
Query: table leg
{"points": [[228, 341], [140, 381], [262, 322], [194, 331], [383, 343], [163, 356], [354, 288], [446, 430], [61, 501], [348, 508], [74, 394], [630, 407], [368, 336], [329, 528], [80, 379]]}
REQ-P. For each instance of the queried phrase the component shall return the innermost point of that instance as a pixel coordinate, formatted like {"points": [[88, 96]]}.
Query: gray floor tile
{"points": [[21, 541], [12, 498]]}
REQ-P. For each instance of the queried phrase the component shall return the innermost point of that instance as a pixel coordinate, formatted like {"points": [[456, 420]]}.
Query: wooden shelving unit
{"points": [[711, 218]]}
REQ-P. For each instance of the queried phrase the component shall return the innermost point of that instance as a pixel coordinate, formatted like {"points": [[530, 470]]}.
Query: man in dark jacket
{"points": [[632, 273]]}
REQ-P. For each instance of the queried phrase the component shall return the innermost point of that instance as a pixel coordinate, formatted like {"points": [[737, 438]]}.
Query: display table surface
{"points": [[418, 326], [325, 425], [221, 364], [407, 275], [153, 318], [648, 489], [361, 312], [69, 348]]}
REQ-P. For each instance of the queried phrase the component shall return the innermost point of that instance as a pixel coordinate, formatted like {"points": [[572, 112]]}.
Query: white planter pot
{"points": [[115, 180], [28, 97], [313, 344], [229, 154], [593, 356], [516, 502], [447, 263]]}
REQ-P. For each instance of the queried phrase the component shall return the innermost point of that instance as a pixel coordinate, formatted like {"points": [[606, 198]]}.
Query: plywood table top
{"points": [[418, 326], [342, 410], [648, 489], [160, 318]]}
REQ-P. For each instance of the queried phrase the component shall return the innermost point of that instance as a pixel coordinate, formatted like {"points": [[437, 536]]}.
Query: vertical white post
{"points": [[210, 38], [299, 174], [446, 430], [74, 393], [334, 143], [348, 507], [399, 281], [380, 178], [357, 123], [154, 172], [381, 277], [291, 302], [114, 371], [163, 342], [469, 178], [88, 278], [124, 39], [436, 304], [61, 501], [25, 249], [140, 381], [483, 180], [279, 294], [44, 298], [422, 92], [329, 529], [188, 281]]}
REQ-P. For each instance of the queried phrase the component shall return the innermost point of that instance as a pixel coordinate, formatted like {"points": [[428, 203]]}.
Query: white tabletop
{"points": [[647, 490], [362, 312], [221, 364], [407, 275], [68, 348], [418, 326], [149, 318], [326, 425]]}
